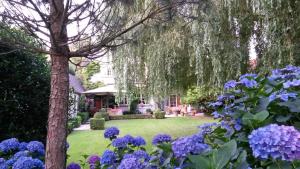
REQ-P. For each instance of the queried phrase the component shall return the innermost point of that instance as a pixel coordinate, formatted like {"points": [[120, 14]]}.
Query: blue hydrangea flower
{"points": [[131, 163], [120, 142], [20, 154], [73, 166], [129, 139], [10, 162], [140, 154], [129, 156], [249, 83], [111, 132], [161, 138], [277, 142], [189, 145], [229, 130], [108, 157], [36, 147], [293, 83], [282, 95], [28, 163], [216, 104], [207, 128], [3, 165], [230, 84], [248, 75], [217, 115], [23, 146], [7, 145], [139, 141]]}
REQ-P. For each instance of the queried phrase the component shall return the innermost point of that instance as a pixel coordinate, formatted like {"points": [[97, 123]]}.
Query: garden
{"points": [[149, 84]]}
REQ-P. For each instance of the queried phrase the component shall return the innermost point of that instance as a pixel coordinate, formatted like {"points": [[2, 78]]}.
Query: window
{"points": [[173, 101]]}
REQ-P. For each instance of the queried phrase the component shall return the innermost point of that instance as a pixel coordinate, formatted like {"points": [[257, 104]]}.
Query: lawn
{"points": [[92, 142]]}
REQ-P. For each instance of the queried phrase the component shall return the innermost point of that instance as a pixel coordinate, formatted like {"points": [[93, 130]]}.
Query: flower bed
{"points": [[131, 116]]}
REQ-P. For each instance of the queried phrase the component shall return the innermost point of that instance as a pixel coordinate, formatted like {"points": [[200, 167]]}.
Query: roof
{"points": [[75, 83], [108, 89]]}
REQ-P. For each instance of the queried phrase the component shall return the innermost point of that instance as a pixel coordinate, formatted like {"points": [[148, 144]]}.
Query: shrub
{"points": [[25, 90], [102, 114], [131, 116], [97, 123], [84, 116], [158, 114]]}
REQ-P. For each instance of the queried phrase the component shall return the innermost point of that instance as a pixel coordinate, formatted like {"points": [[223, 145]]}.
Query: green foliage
{"points": [[217, 159], [25, 90], [84, 116], [97, 123], [243, 109], [102, 114], [158, 114], [87, 72], [209, 49]]}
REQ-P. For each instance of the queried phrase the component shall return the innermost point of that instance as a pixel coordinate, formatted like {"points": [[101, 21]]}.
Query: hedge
{"points": [[130, 116], [97, 123]]}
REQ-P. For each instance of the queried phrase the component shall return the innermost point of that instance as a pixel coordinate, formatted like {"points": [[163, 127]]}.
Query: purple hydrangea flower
{"points": [[139, 141], [120, 142], [36, 147], [111, 132], [277, 142], [73, 166], [140, 154], [189, 145], [93, 159], [230, 84], [161, 138], [131, 163], [249, 83], [28, 163], [108, 157], [7, 145]]}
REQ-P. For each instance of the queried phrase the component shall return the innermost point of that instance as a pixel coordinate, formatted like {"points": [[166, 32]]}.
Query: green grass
{"points": [[92, 142]]}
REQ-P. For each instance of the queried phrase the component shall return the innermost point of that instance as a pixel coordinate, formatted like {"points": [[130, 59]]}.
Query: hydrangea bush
{"points": [[258, 127], [21, 155]]}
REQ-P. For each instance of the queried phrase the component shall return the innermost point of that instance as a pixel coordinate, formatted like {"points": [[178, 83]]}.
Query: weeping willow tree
{"points": [[205, 43]]}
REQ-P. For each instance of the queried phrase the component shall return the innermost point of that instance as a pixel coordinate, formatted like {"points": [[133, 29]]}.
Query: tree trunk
{"points": [[56, 136], [58, 109]]}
